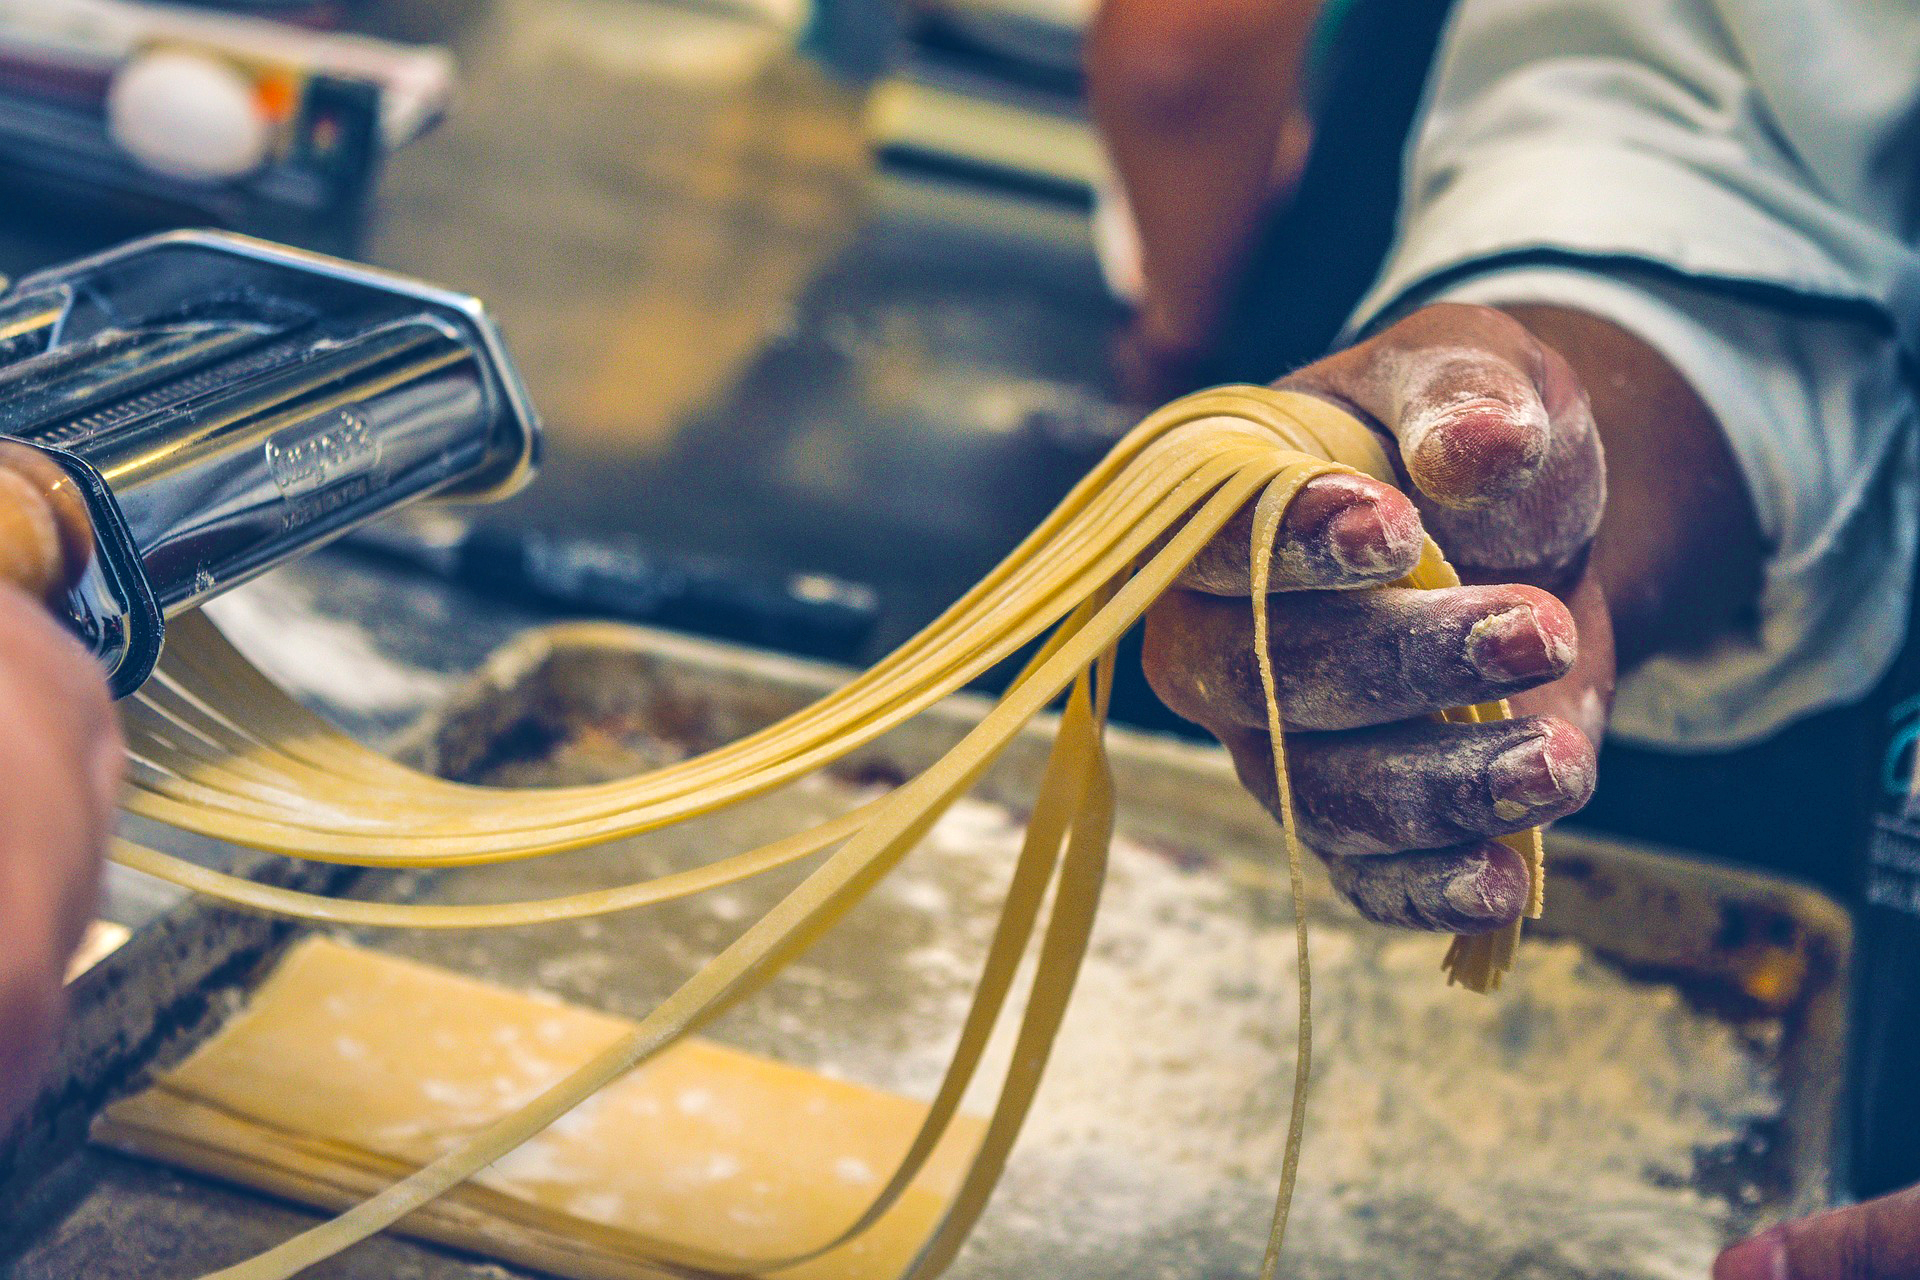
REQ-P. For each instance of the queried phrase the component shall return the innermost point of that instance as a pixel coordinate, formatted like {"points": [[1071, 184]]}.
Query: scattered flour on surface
{"points": [[1548, 1133]]}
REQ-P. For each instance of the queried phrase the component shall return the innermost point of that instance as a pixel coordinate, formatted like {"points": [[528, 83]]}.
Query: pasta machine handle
{"points": [[46, 534]]}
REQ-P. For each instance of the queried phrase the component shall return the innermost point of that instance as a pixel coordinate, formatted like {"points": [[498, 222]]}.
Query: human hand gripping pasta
{"points": [[1503, 466], [216, 749]]}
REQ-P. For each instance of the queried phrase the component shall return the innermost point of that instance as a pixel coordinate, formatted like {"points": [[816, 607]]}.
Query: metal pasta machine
{"points": [[184, 412]]}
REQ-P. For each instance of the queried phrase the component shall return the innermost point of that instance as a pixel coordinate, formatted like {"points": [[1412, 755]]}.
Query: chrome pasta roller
{"points": [[187, 411]]}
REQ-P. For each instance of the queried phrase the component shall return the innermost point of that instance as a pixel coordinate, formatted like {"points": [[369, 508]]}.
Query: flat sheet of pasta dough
{"points": [[350, 1067]]}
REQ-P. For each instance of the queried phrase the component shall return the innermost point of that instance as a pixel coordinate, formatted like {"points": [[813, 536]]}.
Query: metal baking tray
{"points": [[1662, 1073]]}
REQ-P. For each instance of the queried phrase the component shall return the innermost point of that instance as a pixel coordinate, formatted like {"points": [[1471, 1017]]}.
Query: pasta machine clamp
{"points": [[184, 412]]}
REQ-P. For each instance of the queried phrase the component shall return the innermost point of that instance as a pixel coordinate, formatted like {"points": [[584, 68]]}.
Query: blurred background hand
{"points": [[1877, 1240]]}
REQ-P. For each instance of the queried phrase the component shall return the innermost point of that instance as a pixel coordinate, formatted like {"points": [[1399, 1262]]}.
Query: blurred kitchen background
{"points": [[799, 286]]}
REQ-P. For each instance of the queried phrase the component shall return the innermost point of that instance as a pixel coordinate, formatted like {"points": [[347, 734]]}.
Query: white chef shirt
{"points": [[1736, 182]]}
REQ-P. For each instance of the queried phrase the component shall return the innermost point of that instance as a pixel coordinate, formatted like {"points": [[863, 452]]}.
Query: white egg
{"points": [[188, 115]]}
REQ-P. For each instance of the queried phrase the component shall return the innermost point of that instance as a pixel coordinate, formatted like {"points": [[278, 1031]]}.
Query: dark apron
{"points": [[1886, 1053]]}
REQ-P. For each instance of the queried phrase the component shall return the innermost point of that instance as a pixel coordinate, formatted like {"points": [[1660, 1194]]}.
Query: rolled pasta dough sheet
{"points": [[349, 1068]]}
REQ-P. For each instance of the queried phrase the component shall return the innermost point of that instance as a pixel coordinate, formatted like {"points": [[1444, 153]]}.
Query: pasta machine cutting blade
{"points": [[214, 405]]}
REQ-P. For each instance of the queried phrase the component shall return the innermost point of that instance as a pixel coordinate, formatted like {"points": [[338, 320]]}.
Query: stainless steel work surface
{"points": [[1659, 1074]]}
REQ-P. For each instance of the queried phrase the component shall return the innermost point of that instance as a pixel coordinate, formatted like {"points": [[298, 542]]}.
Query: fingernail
{"points": [[1485, 894], [1362, 540], [1762, 1258], [1468, 449], [1471, 892], [1524, 779], [1511, 645]]}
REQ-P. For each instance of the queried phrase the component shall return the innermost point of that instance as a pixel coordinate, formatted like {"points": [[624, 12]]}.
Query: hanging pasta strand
{"points": [[217, 749]]}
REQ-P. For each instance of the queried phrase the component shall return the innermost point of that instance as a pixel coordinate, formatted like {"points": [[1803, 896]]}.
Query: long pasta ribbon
{"points": [[219, 750]]}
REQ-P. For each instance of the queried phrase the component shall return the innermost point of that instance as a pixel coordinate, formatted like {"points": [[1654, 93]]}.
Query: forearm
{"points": [[1193, 100], [1679, 552]]}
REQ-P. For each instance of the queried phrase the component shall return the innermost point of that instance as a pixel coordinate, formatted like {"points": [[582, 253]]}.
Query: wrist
{"points": [[1679, 552]]}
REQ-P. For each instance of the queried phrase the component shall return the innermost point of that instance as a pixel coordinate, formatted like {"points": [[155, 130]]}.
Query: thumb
{"points": [[1494, 431], [1460, 389], [1877, 1240]]}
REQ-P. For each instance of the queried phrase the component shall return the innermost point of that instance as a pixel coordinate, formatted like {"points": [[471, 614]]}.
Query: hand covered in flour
{"points": [[1878, 1240], [1501, 464], [61, 758]]}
